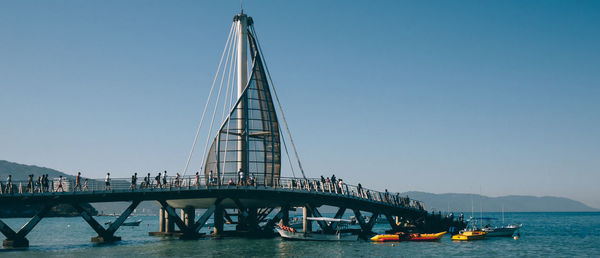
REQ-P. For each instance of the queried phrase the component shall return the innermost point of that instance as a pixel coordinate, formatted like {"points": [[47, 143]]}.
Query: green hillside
{"points": [[20, 171]]}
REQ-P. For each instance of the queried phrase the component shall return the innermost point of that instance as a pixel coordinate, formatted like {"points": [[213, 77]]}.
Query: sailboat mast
{"points": [[242, 79]]}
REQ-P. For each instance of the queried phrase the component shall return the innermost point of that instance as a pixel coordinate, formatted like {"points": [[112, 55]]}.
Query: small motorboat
{"points": [[502, 231], [341, 234], [132, 223], [494, 231], [126, 223], [469, 235]]}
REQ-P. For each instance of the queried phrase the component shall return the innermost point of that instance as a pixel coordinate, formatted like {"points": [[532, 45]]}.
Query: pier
{"points": [[240, 180], [257, 207]]}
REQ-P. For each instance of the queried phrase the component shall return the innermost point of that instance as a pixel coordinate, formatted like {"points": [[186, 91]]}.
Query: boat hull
{"points": [[469, 235], [501, 232], [289, 235]]}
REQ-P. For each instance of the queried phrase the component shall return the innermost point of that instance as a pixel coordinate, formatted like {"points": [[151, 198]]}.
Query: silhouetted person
{"points": [[77, 182], [60, 184], [107, 182]]}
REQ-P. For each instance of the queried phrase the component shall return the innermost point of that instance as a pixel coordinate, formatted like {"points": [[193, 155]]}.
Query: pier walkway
{"points": [[254, 204]]}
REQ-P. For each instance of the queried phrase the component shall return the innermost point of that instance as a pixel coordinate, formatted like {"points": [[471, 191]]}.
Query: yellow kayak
{"points": [[386, 238], [407, 237], [469, 235]]}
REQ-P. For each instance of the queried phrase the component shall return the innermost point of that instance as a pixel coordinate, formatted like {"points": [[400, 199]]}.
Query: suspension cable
{"points": [[187, 163], [287, 154], [278, 103], [216, 105], [230, 103]]}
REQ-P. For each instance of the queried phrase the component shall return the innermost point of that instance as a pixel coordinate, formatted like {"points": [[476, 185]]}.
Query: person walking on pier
{"points": [[197, 179], [341, 185], [333, 180], [133, 181], [164, 179], [251, 179], [30, 183], [177, 178], [9, 187], [43, 181], [48, 189], [241, 180], [60, 184], [77, 182], [38, 184], [157, 179], [107, 182], [359, 190], [146, 181], [85, 185]]}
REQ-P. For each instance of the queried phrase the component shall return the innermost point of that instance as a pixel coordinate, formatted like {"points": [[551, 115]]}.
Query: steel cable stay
{"points": [[217, 103], [277, 99], [231, 105], [187, 163]]}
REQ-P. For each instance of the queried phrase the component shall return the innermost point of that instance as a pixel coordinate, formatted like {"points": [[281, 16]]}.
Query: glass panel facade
{"points": [[249, 137]]}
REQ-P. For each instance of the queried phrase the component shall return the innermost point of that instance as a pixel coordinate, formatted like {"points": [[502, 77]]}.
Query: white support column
{"points": [[242, 80], [242, 53]]}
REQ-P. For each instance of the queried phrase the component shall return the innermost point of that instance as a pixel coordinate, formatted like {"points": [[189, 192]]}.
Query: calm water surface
{"points": [[543, 235]]}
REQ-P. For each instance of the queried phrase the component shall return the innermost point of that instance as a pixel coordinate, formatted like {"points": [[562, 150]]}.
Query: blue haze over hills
{"points": [[430, 96]]}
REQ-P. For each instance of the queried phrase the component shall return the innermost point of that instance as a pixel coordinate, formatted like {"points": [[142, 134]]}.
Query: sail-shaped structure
{"points": [[248, 141]]}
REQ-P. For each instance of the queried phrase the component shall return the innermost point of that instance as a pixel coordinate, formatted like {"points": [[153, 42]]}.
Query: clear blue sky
{"points": [[437, 96]]}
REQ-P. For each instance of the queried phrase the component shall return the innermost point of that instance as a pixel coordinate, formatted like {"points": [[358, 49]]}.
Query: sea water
{"points": [[542, 235]]}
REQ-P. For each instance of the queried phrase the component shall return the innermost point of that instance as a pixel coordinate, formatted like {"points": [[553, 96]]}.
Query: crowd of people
{"points": [[41, 184], [331, 184]]}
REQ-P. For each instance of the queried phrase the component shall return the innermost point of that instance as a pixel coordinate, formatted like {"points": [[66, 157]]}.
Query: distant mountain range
{"points": [[433, 202], [19, 171], [512, 203]]}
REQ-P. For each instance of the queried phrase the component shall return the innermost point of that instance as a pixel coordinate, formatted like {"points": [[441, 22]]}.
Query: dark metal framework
{"points": [[253, 124]]}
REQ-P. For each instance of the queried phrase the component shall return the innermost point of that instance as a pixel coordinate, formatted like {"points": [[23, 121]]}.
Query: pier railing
{"points": [[340, 188]]}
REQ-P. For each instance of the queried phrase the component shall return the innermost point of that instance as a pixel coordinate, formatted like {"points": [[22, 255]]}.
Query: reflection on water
{"points": [[548, 234]]}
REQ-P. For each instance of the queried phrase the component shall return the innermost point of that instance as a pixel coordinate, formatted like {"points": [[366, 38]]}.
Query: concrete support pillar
{"points": [[15, 243], [162, 227], [165, 223], [306, 224], [219, 221], [170, 222], [285, 220], [188, 215], [252, 219]]}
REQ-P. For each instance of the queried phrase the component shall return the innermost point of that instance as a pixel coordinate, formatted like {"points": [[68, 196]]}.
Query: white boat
{"points": [[132, 223], [498, 231], [502, 231], [341, 233]]}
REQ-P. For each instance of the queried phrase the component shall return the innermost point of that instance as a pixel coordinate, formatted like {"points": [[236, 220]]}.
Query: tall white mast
{"points": [[242, 79], [242, 52]]}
